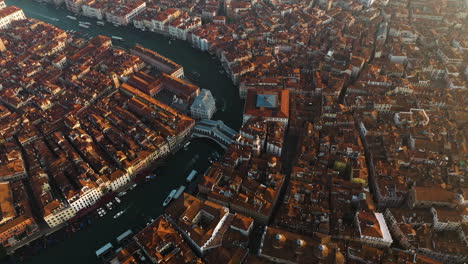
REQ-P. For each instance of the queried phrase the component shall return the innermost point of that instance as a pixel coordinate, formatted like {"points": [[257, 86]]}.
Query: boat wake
{"points": [[118, 214], [48, 17]]}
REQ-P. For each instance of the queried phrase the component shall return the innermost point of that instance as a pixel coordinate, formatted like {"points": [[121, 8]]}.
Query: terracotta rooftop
{"points": [[6, 202], [267, 103], [164, 244], [295, 248], [195, 217], [8, 11], [434, 194]]}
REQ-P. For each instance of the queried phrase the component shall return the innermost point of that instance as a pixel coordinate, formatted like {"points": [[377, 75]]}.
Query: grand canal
{"points": [[145, 201]]}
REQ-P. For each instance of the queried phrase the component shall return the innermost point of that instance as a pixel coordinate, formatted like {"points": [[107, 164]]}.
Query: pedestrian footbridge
{"points": [[214, 130]]}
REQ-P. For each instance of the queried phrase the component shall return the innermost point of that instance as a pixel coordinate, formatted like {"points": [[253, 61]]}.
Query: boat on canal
{"points": [[151, 177], [117, 38], [117, 215], [186, 145], [215, 156], [110, 205], [191, 176], [169, 197], [100, 23], [101, 212], [195, 73], [192, 161], [222, 105], [179, 191], [83, 26], [72, 17], [193, 76]]}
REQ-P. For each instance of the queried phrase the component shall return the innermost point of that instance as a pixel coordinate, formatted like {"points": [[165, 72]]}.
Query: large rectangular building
{"points": [[74, 5], [9, 14], [124, 14], [200, 222], [94, 9], [163, 244], [268, 104], [280, 246], [157, 60], [204, 105]]}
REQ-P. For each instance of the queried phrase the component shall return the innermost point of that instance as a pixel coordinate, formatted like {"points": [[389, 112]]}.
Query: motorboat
{"points": [[117, 215], [151, 177], [117, 38], [169, 197]]}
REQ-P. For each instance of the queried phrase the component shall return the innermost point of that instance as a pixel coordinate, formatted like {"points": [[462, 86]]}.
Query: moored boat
{"points": [[191, 176], [169, 197], [179, 191], [118, 214], [151, 177]]}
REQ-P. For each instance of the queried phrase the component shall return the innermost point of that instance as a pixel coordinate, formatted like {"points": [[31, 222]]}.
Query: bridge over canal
{"points": [[215, 130]]}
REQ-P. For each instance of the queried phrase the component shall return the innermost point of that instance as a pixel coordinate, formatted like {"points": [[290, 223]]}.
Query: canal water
{"points": [[145, 201]]}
